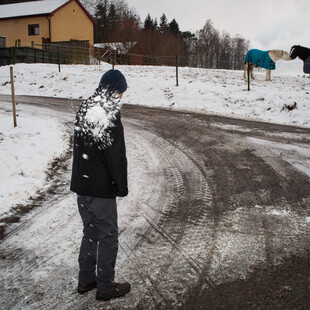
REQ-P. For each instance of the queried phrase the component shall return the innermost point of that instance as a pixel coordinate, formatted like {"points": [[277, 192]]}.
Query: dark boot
{"points": [[118, 290], [85, 287]]}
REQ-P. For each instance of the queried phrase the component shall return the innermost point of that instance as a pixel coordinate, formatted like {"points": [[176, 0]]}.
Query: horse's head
{"points": [[285, 55], [294, 51]]}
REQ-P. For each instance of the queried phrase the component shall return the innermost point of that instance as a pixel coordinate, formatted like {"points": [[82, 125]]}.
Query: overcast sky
{"points": [[268, 24]]}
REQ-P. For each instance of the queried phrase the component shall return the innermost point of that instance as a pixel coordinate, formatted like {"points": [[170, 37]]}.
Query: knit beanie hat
{"points": [[113, 81]]}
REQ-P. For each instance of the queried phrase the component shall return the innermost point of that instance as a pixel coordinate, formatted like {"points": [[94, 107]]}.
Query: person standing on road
{"points": [[99, 175]]}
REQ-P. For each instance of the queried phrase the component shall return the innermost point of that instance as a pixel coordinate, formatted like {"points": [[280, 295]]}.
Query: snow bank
{"points": [[25, 153], [221, 92]]}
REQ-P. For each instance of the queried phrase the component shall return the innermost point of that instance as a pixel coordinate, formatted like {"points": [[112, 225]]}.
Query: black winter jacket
{"points": [[100, 171]]}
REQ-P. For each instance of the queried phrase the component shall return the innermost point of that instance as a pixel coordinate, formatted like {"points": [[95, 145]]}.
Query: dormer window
{"points": [[33, 30]]}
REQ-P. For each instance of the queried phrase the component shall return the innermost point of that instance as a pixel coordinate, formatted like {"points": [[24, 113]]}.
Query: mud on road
{"points": [[220, 219]]}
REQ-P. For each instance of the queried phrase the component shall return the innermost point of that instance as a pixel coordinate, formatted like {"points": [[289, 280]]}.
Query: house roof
{"points": [[36, 8], [123, 47]]}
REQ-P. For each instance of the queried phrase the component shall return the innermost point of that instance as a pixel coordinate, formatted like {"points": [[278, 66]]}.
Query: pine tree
{"points": [[163, 25], [113, 18], [102, 26], [148, 22], [155, 24], [189, 42], [174, 27]]}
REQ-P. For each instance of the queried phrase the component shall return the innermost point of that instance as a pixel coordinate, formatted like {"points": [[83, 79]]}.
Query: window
{"points": [[33, 30], [2, 41]]}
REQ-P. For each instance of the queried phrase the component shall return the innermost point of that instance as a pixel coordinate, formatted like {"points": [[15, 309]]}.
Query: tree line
{"points": [[161, 40]]}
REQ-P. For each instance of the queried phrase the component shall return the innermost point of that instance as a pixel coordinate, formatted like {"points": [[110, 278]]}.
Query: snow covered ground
{"points": [[26, 152], [50, 240], [221, 92]]}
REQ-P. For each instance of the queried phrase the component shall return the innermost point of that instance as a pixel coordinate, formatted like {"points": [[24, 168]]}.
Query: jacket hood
{"points": [[96, 117]]}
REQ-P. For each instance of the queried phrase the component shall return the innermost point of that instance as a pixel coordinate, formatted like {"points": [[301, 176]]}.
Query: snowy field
{"points": [[26, 153], [220, 92]]}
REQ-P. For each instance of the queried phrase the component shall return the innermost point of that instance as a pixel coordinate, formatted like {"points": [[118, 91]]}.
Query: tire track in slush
{"points": [[169, 238], [245, 153], [161, 253]]}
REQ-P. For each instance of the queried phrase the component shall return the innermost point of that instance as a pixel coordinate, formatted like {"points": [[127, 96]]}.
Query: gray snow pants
{"points": [[100, 241]]}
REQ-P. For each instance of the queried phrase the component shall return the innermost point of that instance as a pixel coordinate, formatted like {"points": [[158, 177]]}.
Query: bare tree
{"points": [[213, 50], [207, 45], [225, 52], [240, 48]]}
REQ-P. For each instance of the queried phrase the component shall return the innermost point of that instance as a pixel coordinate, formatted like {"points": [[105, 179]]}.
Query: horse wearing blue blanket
{"points": [[263, 59]]}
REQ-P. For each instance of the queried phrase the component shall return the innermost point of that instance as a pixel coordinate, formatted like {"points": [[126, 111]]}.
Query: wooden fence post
{"points": [[248, 69], [13, 96], [177, 70], [14, 52], [49, 53], [99, 55], [113, 60], [58, 58]]}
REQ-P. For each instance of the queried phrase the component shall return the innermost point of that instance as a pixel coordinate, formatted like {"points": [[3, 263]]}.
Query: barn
{"points": [[130, 53]]}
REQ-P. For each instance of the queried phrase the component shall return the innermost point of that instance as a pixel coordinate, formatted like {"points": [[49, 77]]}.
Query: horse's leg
{"points": [[251, 70], [245, 71]]}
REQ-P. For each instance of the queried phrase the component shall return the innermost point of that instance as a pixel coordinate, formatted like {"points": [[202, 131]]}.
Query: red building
{"points": [[129, 53]]}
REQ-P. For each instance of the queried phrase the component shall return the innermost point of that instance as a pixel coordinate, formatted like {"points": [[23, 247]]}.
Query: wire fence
{"points": [[58, 53], [80, 52]]}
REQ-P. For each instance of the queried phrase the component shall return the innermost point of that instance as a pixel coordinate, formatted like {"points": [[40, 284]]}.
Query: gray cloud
{"points": [[266, 23]]}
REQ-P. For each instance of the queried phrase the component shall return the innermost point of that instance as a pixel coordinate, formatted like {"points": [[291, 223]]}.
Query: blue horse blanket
{"points": [[260, 59], [307, 65]]}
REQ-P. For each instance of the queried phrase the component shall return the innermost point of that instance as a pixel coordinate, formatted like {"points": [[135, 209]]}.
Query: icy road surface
{"points": [[218, 212]]}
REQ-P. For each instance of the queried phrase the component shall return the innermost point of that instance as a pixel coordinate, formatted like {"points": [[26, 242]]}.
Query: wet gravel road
{"points": [[221, 219]]}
